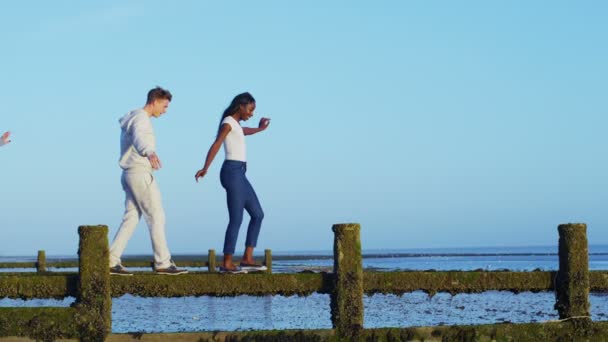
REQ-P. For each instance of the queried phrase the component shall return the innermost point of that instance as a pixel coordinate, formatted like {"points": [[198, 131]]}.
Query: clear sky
{"points": [[431, 123]]}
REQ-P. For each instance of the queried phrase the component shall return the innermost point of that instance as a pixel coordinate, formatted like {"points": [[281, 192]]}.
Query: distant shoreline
{"points": [[534, 250]]}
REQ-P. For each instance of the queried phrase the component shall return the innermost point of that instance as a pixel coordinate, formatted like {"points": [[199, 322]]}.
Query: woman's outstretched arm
{"points": [[224, 130], [264, 122]]}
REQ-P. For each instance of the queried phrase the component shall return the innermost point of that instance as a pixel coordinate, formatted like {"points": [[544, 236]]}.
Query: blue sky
{"points": [[431, 123]]}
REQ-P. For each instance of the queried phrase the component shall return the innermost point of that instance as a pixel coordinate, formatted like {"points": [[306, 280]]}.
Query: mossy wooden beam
{"points": [[94, 302], [598, 281], [47, 324], [572, 282], [41, 324], [219, 284], [227, 336], [550, 331], [18, 264], [211, 267], [347, 297], [456, 282], [59, 285], [34, 285], [41, 262], [268, 260]]}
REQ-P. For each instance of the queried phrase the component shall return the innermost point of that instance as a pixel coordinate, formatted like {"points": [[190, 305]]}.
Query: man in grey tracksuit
{"points": [[138, 160]]}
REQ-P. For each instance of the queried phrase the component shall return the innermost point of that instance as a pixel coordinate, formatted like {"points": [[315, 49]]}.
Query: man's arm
{"points": [[143, 135], [144, 141]]}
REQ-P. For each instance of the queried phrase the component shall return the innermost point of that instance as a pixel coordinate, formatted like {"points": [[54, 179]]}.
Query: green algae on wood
{"points": [[548, 331], [219, 284], [598, 281], [456, 281], [41, 262], [35, 285], [27, 264], [572, 281], [347, 296], [59, 285], [211, 265], [41, 324], [94, 302], [268, 260]]}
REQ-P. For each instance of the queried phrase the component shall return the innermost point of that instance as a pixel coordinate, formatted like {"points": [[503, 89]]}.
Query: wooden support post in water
{"points": [[268, 260], [347, 297], [41, 262], [572, 282], [94, 300], [211, 261]]}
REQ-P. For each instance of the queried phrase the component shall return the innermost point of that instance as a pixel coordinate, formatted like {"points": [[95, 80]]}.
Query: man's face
{"points": [[159, 107]]}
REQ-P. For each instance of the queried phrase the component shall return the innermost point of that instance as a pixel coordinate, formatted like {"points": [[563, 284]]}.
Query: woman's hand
{"points": [[200, 174], [264, 122]]}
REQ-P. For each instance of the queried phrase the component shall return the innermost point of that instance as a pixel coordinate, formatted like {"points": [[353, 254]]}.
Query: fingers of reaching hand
{"points": [[5, 137], [264, 122], [200, 174]]}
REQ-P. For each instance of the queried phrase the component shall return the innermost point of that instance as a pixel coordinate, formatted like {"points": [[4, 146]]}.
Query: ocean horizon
{"points": [[388, 252]]}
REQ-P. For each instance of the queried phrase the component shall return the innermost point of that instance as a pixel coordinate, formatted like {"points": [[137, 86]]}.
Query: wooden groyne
{"points": [[89, 319]]}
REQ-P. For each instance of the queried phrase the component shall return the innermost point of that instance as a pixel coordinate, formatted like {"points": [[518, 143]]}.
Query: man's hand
{"points": [[200, 174], [6, 138], [154, 161]]}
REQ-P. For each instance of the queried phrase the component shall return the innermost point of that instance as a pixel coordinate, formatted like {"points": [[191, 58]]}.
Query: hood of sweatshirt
{"points": [[125, 121], [136, 140]]}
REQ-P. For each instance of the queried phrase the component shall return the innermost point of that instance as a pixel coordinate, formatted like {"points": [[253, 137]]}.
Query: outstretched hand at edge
{"points": [[6, 138]]}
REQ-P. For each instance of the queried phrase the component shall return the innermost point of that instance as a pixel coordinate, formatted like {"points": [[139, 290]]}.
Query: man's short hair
{"points": [[158, 93]]}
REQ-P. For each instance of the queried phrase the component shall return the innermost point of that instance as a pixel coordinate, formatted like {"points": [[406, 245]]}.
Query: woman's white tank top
{"points": [[234, 144]]}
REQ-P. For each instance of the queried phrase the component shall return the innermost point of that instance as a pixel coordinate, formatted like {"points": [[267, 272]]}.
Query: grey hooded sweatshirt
{"points": [[137, 141]]}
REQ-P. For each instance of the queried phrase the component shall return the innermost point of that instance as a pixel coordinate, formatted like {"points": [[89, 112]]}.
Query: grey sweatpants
{"points": [[142, 197]]}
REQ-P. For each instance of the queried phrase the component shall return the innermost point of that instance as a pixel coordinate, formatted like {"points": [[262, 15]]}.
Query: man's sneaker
{"points": [[120, 270], [171, 270], [252, 267]]}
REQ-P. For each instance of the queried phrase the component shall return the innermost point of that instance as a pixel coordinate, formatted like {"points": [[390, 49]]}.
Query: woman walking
{"points": [[239, 192]]}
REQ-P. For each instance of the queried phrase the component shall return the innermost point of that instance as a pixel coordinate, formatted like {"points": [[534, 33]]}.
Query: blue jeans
{"points": [[240, 195]]}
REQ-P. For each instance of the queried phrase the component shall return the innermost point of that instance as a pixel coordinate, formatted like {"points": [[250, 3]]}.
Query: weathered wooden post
{"points": [[211, 261], [347, 297], [41, 262], [94, 302], [572, 282], [268, 260]]}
